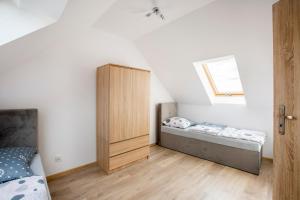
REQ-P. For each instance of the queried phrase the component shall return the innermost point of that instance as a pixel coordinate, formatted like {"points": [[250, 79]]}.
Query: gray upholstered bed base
{"points": [[246, 160]]}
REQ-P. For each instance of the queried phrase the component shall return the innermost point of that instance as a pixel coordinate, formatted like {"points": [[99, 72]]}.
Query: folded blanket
{"points": [[202, 128], [223, 131], [243, 134]]}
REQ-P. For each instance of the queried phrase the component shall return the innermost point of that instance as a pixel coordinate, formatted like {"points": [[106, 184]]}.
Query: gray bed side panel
{"points": [[249, 161]]}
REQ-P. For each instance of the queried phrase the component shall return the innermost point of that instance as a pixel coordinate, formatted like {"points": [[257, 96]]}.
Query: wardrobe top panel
{"points": [[115, 65]]}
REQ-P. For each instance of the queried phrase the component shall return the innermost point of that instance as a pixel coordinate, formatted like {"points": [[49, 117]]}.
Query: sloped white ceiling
{"points": [[77, 17], [214, 29], [222, 28], [21, 17], [127, 17]]}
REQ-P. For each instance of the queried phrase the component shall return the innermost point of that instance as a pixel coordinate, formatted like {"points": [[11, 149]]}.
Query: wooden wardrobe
{"points": [[122, 116]]}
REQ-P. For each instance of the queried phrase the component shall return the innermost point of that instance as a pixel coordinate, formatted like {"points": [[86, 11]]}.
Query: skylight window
{"points": [[221, 80]]}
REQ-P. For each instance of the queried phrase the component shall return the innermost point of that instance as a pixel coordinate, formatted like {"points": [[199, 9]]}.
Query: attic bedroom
{"points": [[149, 99]]}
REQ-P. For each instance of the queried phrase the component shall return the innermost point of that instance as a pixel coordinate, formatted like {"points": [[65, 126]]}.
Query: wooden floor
{"points": [[166, 175]]}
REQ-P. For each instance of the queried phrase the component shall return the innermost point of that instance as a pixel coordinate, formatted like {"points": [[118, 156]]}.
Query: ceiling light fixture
{"points": [[155, 11]]}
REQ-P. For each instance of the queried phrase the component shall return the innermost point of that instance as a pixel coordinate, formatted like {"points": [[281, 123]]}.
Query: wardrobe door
{"points": [[140, 102], [120, 104]]}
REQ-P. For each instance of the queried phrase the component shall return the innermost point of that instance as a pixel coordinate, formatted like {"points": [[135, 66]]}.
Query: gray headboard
{"points": [[18, 128], [165, 110]]}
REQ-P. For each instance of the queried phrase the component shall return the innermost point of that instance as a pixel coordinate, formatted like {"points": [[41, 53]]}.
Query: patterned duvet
{"points": [[229, 132], [29, 188]]}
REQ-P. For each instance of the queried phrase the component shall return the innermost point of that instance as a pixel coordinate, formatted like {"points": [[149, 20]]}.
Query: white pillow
{"points": [[177, 122]]}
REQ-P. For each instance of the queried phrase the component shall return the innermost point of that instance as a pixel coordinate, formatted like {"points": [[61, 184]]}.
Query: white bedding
{"points": [[12, 189], [36, 166], [212, 130], [29, 188], [213, 135], [229, 132], [38, 169], [243, 134]]}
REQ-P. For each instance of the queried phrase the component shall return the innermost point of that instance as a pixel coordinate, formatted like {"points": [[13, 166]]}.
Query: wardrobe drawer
{"points": [[126, 158], [128, 145]]}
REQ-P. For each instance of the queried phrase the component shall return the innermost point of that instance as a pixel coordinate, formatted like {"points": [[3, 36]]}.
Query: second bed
{"points": [[222, 148]]}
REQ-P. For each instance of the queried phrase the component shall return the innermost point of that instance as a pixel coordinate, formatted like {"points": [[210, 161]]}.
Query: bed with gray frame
{"points": [[237, 154], [19, 128]]}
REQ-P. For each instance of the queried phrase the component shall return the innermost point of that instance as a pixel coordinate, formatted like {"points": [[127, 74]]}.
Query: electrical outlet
{"points": [[57, 158]]}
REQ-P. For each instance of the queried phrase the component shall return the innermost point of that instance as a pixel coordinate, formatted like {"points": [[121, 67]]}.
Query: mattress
{"points": [[38, 170], [36, 166], [237, 143]]}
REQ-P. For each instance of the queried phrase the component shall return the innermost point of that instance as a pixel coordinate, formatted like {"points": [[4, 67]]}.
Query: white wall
{"points": [[58, 78], [222, 28], [60, 82]]}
